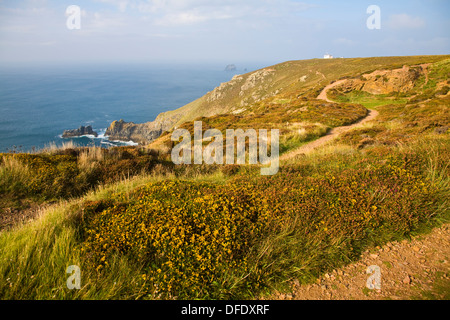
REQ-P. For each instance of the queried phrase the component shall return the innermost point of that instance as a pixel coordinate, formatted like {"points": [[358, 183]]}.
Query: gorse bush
{"points": [[189, 235], [14, 175], [45, 175], [203, 240]]}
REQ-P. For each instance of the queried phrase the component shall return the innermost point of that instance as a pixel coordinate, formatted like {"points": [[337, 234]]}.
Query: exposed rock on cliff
{"points": [[81, 131], [247, 89]]}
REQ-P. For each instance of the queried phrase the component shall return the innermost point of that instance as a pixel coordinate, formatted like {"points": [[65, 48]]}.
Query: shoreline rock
{"points": [[81, 131]]}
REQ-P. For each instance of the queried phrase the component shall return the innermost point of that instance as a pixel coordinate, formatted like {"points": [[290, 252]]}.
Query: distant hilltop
{"points": [[230, 67]]}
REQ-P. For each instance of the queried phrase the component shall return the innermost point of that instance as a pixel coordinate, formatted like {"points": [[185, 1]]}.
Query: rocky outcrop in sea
{"points": [[230, 67], [81, 131]]}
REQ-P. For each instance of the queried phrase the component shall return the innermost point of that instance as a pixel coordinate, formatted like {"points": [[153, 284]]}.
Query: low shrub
{"points": [[210, 241]]}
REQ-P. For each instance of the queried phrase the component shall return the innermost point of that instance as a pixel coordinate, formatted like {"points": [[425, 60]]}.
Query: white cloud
{"points": [[405, 21], [193, 17], [204, 29], [182, 18], [120, 4], [179, 12], [103, 22]]}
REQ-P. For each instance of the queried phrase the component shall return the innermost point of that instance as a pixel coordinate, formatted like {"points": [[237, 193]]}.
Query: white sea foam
{"points": [[108, 143], [117, 143], [101, 133], [90, 136], [132, 143], [104, 139], [127, 143]]}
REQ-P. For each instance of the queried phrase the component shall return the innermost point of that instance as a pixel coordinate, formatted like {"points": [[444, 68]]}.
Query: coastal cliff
{"points": [[228, 97], [140, 132], [374, 75]]}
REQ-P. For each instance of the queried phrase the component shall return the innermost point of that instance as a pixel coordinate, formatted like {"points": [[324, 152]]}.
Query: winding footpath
{"points": [[323, 94], [333, 133]]}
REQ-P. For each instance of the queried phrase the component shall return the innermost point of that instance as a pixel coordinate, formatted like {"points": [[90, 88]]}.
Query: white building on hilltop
{"points": [[328, 56]]}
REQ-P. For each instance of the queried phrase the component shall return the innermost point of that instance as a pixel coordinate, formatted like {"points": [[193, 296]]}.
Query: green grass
{"points": [[216, 232], [34, 256], [298, 121], [440, 289], [368, 100], [63, 173], [302, 245]]}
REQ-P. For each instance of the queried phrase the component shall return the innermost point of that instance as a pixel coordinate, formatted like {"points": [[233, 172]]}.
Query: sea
{"points": [[37, 103]]}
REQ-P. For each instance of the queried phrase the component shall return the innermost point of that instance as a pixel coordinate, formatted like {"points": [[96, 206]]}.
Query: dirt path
{"points": [[333, 132], [425, 68], [323, 94], [417, 269], [10, 217]]}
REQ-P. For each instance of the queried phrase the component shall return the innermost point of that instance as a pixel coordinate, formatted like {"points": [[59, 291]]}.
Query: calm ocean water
{"points": [[38, 104]]}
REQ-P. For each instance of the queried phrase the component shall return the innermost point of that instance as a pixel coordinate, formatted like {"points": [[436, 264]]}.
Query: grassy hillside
{"points": [[307, 77], [141, 228]]}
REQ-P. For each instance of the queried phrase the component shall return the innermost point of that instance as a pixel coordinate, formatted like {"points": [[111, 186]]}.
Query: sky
{"points": [[213, 31]]}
